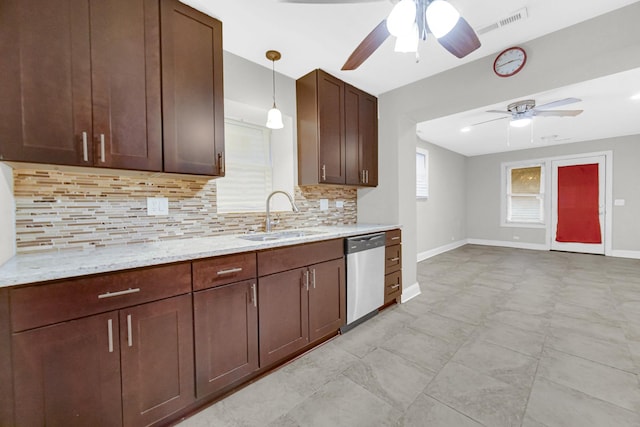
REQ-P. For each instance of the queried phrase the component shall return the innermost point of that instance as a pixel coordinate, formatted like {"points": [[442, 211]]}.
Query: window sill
{"points": [[523, 225]]}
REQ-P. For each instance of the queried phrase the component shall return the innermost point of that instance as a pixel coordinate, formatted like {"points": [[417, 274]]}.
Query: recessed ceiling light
{"points": [[636, 97], [466, 129]]}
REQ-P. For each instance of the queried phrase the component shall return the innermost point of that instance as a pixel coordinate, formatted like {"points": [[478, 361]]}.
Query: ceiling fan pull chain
{"points": [[508, 135], [417, 57], [531, 130]]}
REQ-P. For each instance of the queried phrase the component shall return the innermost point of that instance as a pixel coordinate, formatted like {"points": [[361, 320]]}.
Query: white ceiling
{"points": [[323, 36]]}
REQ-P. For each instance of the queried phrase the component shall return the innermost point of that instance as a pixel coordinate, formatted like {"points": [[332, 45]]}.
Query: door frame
{"points": [[607, 227]]}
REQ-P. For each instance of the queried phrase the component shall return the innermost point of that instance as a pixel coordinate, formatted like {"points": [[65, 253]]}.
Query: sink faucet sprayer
{"points": [[293, 206]]}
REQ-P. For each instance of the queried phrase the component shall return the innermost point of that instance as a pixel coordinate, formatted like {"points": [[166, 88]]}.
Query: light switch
{"points": [[618, 202], [324, 204], [339, 204], [157, 206]]}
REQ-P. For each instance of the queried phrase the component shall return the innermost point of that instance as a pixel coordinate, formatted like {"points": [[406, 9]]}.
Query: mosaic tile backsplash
{"points": [[58, 210]]}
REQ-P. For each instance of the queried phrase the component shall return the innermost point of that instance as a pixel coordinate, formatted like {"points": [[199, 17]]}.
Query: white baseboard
{"points": [[507, 244], [410, 292], [625, 254], [442, 249]]}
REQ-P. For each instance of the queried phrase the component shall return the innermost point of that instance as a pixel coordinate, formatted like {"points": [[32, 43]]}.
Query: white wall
{"points": [[607, 44], [7, 214], [483, 191], [442, 218]]}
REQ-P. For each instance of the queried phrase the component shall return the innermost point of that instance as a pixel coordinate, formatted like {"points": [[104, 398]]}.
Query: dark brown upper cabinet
{"points": [[81, 83], [192, 87], [337, 132]]}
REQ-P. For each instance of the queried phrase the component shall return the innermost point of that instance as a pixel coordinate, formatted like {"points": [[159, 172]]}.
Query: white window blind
{"points": [[525, 194], [422, 173], [248, 174]]}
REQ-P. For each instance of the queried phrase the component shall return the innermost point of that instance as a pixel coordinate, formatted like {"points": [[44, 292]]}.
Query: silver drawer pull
{"points": [[395, 238], [118, 293], [394, 259], [395, 286], [230, 271]]}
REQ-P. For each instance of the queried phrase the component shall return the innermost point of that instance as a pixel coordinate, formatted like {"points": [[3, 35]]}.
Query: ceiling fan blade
{"points": [[487, 121], [499, 111], [461, 40], [558, 113], [367, 46], [557, 103]]}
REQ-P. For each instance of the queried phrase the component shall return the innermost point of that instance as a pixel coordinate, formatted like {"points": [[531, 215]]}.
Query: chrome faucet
{"points": [[293, 206]]}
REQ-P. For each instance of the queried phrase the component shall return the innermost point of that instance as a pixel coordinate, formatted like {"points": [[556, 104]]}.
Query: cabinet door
{"points": [[69, 374], [45, 81], [331, 129], [327, 303], [157, 359], [192, 89], [226, 335], [283, 314], [125, 65], [361, 132]]}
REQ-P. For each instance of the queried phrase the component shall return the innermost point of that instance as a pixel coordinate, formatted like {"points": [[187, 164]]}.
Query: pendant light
{"points": [[274, 116]]}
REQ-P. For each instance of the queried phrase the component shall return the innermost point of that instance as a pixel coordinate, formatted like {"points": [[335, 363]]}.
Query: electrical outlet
{"points": [[157, 206], [324, 204], [339, 204], [618, 202]]}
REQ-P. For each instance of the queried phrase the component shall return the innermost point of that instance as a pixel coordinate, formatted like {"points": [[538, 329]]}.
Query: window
{"points": [[422, 173], [525, 194], [248, 175]]}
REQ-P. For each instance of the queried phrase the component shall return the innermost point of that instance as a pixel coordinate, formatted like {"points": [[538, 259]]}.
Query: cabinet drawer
{"points": [[282, 259], [393, 258], [392, 286], [46, 304], [393, 237], [222, 270]]}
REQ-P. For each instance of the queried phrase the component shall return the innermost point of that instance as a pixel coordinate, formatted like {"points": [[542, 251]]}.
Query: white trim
{"points": [[625, 254], [410, 292], [506, 244], [440, 250]]}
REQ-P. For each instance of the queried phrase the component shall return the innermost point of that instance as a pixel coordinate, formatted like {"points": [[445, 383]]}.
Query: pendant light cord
{"points": [[273, 74]]}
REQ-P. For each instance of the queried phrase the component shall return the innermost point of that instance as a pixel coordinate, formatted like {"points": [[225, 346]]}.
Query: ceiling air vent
{"points": [[516, 16]]}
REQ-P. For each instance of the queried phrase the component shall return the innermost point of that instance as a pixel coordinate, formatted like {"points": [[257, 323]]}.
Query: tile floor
{"points": [[498, 337]]}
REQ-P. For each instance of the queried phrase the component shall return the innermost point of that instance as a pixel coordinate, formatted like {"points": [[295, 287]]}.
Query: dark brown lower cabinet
{"points": [[69, 374], [156, 341], [300, 306], [226, 335], [130, 367], [283, 313]]}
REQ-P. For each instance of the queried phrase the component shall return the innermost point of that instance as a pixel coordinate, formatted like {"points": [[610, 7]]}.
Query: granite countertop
{"points": [[31, 268]]}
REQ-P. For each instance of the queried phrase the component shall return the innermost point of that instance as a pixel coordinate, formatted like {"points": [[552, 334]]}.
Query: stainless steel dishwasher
{"points": [[365, 277]]}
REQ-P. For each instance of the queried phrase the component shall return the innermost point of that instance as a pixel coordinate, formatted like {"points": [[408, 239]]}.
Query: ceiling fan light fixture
{"points": [[441, 17], [520, 122], [408, 43], [402, 18]]}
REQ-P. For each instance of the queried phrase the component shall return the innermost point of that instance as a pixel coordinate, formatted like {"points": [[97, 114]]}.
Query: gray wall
{"points": [[595, 48], [483, 191], [441, 219]]}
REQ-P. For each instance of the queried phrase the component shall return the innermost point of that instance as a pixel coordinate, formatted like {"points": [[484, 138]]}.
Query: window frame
{"points": [[505, 195]]}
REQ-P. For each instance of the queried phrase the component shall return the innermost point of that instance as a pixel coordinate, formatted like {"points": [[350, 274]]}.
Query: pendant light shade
{"points": [[441, 17], [402, 17], [520, 122], [274, 116], [408, 43]]}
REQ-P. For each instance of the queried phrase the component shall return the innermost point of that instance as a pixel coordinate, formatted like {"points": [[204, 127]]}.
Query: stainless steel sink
{"points": [[279, 235]]}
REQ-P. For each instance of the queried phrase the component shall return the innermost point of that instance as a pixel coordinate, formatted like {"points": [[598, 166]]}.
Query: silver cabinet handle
{"points": [[129, 331], [110, 332], [255, 296], [313, 278], [395, 238], [221, 163], [395, 286], [306, 279], [367, 176], [102, 147], [85, 148], [394, 259], [230, 271], [362, 179], [118, 293], [324, 172]]}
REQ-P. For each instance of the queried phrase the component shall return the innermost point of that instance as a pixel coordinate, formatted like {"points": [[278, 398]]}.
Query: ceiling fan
{"points": [[410, 21], [522, 112]]}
